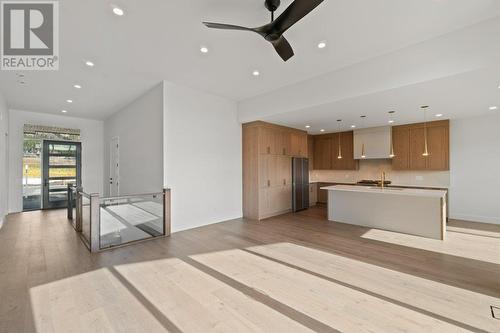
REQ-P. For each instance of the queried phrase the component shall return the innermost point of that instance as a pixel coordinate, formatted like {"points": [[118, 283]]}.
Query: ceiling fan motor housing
{"points": [[272, 5]]}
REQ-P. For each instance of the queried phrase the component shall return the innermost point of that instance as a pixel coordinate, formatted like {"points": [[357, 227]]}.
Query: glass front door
{"points": [[32, 174], [61, 166]]}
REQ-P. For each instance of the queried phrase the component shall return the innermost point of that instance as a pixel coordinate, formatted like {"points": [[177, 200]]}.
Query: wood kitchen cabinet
{"points": [[326, 152], [409, 145], [346, 147], [267, 141], [401, 144], [322, 158], [322, 197], [313, 194], [268, 150], [283, 142], [439, 148], [310, 151], [298, 143], [417, 145]]}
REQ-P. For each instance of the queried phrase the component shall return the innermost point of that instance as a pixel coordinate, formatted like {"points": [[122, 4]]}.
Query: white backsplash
{"points": [[371, 169]]}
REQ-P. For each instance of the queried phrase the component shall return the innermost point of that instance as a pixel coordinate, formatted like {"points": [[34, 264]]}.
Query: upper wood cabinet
{"points": [[439, 148], [277, 140], [326, 152], [267, 141], [409, 145], [343, 145], [322, 152], [310, 151], [401, 144], [298, 143], [417, 146], [283, 142]]}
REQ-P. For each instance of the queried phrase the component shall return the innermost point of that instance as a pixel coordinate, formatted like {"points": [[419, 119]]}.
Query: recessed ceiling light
{"points": [[439, 115], [493, 108], [77, 86], [255, 73], [118, 11], [204, 49], [353, 126], [89, 63], [308, 126], [391, 121], [64, 111], [321, 45], [69, 100], [321, 130]]}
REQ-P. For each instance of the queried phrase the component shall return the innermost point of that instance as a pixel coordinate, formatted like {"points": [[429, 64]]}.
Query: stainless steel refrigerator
{"points": [[300, 184]]}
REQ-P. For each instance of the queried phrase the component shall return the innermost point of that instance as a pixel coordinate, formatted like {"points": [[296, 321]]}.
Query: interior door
{"points": [[114, 167], [61, 166]]}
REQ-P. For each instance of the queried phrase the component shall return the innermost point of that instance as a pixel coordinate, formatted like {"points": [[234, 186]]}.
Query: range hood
{"points": [[376, 141]]}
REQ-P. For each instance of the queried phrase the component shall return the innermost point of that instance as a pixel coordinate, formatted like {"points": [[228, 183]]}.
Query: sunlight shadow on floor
{"points": [[423, 295], [196, 302], [456, 244], [95, 302], [333, 304]]}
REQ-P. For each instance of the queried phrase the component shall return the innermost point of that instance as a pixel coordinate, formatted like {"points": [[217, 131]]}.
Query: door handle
{"points": [[268, 183]]}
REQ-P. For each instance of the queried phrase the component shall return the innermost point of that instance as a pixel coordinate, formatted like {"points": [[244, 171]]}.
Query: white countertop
{"points": [[387, 190]]}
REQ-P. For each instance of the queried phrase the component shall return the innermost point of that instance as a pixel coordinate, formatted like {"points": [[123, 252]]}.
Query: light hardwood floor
{"points": [[292, 273]]}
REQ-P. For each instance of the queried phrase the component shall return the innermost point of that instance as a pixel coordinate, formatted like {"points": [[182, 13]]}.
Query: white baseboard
{"points": [[475, 218]]}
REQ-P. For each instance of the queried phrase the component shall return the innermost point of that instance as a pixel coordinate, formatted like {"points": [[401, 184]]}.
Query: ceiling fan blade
{"points": [[225, 26], [294, 13], [283, 48]]}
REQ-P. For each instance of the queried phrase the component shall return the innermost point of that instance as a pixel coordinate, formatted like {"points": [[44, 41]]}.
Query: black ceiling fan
{"points": [[273, 32]]}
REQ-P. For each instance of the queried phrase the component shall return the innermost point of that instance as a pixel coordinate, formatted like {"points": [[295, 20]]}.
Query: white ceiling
{"points": [[464, 95], [159, 40]]}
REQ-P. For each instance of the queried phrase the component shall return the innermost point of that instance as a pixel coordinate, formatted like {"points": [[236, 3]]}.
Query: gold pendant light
{"points": [[426, 147], [391, 121], [339, 121], [363, 155]]}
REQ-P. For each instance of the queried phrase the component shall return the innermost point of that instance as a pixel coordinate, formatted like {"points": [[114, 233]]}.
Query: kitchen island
{"points": [[420, 212]]}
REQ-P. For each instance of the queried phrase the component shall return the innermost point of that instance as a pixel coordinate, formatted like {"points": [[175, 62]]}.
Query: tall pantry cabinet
{"points": [[267, 168]]}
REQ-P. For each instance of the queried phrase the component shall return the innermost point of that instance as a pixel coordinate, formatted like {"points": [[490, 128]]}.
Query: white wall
{"points": [[4, 158], [92, 152], [203, 157], [139, 127], [475, 169]]}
